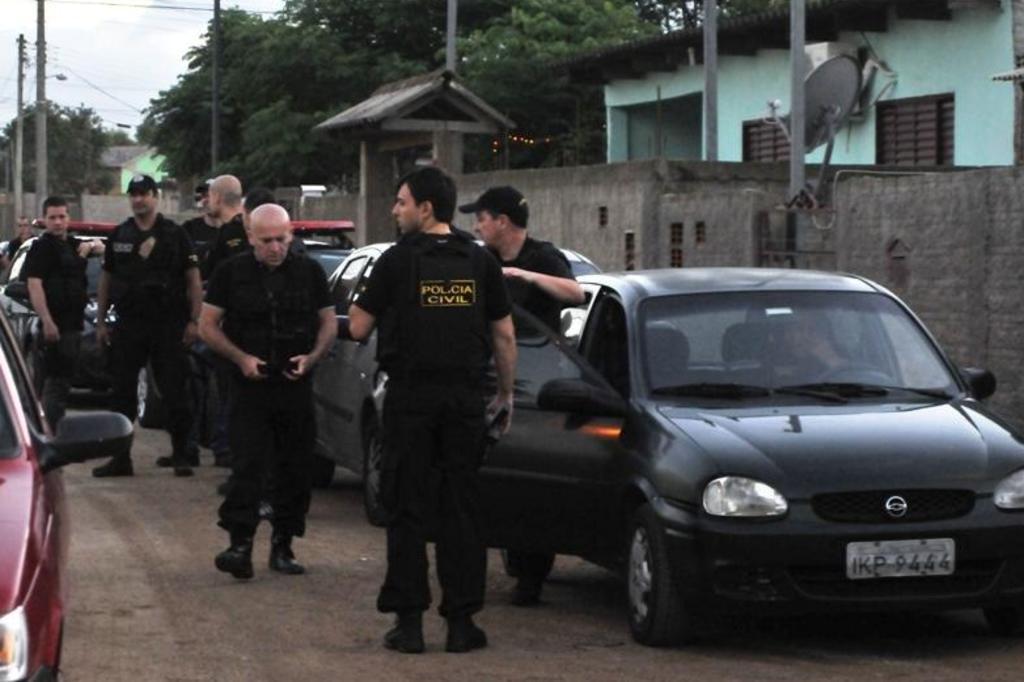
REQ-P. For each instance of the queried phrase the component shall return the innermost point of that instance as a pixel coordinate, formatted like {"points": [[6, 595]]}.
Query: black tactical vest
{"points": [[438, 327], [65, 289], [272, 314], [152, 287]]}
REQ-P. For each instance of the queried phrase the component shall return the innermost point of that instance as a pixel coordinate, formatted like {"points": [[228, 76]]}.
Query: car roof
{"points": [[640, 284], [323, 225]]}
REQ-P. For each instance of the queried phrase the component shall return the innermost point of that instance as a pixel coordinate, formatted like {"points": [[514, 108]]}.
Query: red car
{"points": [[33, 514]]}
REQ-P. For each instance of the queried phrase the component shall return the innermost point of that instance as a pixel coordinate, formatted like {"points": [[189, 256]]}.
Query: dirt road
{"points": [[147, 604]]}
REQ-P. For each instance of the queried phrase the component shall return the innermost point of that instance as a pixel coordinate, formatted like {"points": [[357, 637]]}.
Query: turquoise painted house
{"points": [[939, 84]]}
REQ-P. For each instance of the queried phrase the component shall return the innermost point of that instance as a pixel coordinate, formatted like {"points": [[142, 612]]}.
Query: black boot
{"points": [[236, 559], [464, 635], [282, 559], [117, 466], [407, 635]]}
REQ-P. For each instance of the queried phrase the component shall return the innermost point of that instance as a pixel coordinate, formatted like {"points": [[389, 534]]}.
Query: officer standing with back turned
{"points": [[442, 306], [151, 275]]}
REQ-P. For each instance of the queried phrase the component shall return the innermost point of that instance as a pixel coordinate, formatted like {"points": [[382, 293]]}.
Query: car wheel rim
{"points": [[140, 393], [640, 575]]}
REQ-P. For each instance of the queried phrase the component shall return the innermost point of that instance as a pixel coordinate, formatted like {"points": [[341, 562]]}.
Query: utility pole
{"points": [[711, 80], [19, 133], [215, 104], [798, 72], [41, 170], [449, 56]]}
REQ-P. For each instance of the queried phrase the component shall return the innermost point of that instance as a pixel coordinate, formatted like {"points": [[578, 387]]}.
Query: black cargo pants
{"points": [[433, 444], [133, 344], [271, 431]]}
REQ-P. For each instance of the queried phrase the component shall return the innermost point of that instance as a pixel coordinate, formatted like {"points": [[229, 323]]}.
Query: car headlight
{"points": [[13, 646], [1010, 491], [738, 496]]}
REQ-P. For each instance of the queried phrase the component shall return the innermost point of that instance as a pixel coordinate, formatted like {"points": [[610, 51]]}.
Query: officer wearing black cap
{"points": [[151, 276], [540, 280], [441, 306], [54, 271], [269, 312]]}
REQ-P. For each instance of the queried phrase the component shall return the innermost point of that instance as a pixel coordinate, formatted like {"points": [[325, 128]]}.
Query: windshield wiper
{"points": [[854, 390], [712, 390], [930, 392], [835, 393]]}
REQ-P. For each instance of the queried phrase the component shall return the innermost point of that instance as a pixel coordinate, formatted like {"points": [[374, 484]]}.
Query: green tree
{"points": [[76, 140], [510, 65], [690, 13]]}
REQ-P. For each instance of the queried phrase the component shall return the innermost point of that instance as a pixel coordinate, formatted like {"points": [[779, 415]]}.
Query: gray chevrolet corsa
{"points": [[766, 441]]}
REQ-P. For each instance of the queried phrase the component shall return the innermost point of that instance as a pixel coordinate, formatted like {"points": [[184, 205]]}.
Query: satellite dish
{"points": [[830, 94]]}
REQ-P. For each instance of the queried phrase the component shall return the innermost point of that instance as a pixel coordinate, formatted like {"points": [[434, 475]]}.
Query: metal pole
{"points": [[19, 133], [449, 57], [215, 104], [41, 169], [711, 80], [797, 33]]}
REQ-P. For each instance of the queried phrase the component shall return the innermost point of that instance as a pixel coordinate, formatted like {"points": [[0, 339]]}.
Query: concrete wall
{"points": [[929, 58], [963, 272], [114, 209], [331, 207]]}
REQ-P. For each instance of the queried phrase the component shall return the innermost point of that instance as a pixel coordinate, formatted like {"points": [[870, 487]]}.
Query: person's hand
{"points": [[250, 366], [499, 403], [300, 366], [191, 333], [84, 249], [102, 333], [50, 332]]}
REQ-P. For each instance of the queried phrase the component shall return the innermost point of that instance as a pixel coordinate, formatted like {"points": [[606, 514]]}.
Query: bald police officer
{"points": [[441, 304], [269, 312]]}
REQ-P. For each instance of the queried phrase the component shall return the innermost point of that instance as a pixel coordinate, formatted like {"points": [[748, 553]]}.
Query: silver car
{"points": [[348, 387]]}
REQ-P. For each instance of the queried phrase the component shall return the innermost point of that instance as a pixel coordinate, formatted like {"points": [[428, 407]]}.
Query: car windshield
{"points": [[832, 346]]}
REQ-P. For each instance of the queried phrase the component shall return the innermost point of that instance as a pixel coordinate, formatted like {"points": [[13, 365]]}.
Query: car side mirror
{"points": [[85, 436], [17, 290], [572, 320], [579, 397], [981, 381]]}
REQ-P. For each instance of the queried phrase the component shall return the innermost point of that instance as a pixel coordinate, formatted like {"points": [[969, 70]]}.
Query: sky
{"points": [[116, 54]]}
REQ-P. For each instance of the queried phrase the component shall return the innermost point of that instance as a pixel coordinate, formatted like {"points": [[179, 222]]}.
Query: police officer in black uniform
{"points": [[204, 228], [442, 306], [540, 280], [55, 273], [151, 275], [225, 204], [270, 313]]}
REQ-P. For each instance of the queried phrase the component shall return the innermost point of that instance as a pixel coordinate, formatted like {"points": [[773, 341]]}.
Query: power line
{"points": [[177, 8], [99, 89]]}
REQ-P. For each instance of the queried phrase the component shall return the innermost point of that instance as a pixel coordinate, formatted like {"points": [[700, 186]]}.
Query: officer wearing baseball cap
{"points": [[540, 281], [151, 274]]}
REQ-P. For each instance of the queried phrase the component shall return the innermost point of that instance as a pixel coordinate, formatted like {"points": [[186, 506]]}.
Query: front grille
{"points": [[870, 506], [971, 577]]}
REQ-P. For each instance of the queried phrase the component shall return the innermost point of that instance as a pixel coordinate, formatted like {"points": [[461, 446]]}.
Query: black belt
{"points": [[459, 376]]}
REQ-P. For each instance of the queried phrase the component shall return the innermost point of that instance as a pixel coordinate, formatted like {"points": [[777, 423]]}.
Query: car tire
{"points": [[656, 611], [150, 407], [373, 449], [323, 472], [1004, 620]]}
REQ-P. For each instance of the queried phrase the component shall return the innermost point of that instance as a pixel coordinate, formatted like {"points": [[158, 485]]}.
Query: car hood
{"points": [[17, 558], [807, 450]]}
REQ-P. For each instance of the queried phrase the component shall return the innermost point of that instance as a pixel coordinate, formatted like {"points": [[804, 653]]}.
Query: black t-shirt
{"points": [[231, 241], [299, 286], [434, 306], [44, 261], [203, 236], [545, 258], [12, 247], [153, 286]]}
